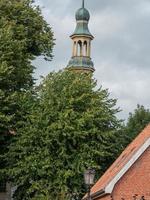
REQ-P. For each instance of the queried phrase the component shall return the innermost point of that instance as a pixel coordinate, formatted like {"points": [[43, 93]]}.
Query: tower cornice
{"points": [[83, 36]]}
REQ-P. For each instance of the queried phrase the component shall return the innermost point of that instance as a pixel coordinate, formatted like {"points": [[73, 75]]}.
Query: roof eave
{"points": [[100, 193]]}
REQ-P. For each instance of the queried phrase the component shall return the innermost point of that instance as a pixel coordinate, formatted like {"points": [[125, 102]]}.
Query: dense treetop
{"points": [[24, 35], [73, 127], [136, 122]]}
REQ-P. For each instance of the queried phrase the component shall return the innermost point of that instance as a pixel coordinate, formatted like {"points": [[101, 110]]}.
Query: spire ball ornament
{"points": [[82, 13]]}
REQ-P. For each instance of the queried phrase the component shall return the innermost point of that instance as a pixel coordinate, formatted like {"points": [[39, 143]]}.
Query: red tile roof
{"points": [[122, 160]]}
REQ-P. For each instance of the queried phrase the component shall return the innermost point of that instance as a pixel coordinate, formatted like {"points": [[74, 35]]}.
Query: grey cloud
{"points": [[120, 49]]}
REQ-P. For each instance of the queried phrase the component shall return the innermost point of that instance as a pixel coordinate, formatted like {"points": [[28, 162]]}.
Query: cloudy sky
{"points": [[120, 50]]}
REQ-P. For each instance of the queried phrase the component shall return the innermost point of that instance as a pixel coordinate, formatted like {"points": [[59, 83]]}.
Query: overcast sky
{"points": [[120, 50]]}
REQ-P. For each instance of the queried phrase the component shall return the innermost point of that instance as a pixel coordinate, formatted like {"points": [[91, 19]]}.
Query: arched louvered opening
{"points": [[79, 48], [74, 48], [85, 53]]}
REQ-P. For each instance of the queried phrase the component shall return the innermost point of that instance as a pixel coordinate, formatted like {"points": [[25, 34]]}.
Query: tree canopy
{"points": [[73, 127], [24, 35], [136, 122]]}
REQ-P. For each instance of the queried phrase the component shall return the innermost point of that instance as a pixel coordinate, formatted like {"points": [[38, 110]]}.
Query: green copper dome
{"points": [[82, 29], [82, 18], [82, 14]]}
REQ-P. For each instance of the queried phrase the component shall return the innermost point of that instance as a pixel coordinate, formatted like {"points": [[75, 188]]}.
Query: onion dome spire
{"points": [[81, 56]]}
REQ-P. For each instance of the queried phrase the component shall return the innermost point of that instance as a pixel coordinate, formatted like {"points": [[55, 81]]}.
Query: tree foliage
{"points": [[136, 122], [24, 35], [73, 127]]}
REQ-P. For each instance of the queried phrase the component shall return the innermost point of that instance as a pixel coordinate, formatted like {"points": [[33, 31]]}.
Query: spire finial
{"points": [[82, 3]]}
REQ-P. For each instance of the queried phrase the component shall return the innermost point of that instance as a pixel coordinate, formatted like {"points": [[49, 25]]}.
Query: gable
{"points": [[128, 157], [109, 188]]}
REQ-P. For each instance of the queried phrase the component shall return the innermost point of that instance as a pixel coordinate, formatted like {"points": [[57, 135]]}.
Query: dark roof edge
{"points": [[95, 195]]}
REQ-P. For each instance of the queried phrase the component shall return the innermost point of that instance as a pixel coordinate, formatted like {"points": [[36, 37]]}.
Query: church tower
{"points": [[81, 53]]}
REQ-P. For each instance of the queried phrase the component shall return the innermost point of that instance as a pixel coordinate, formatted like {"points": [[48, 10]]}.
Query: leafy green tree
{"points": [[136, 122], [24, 35], [73, 127]]}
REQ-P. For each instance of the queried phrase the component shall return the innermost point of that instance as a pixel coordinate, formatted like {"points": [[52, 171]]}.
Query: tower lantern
{"points": [[81, 53]]}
